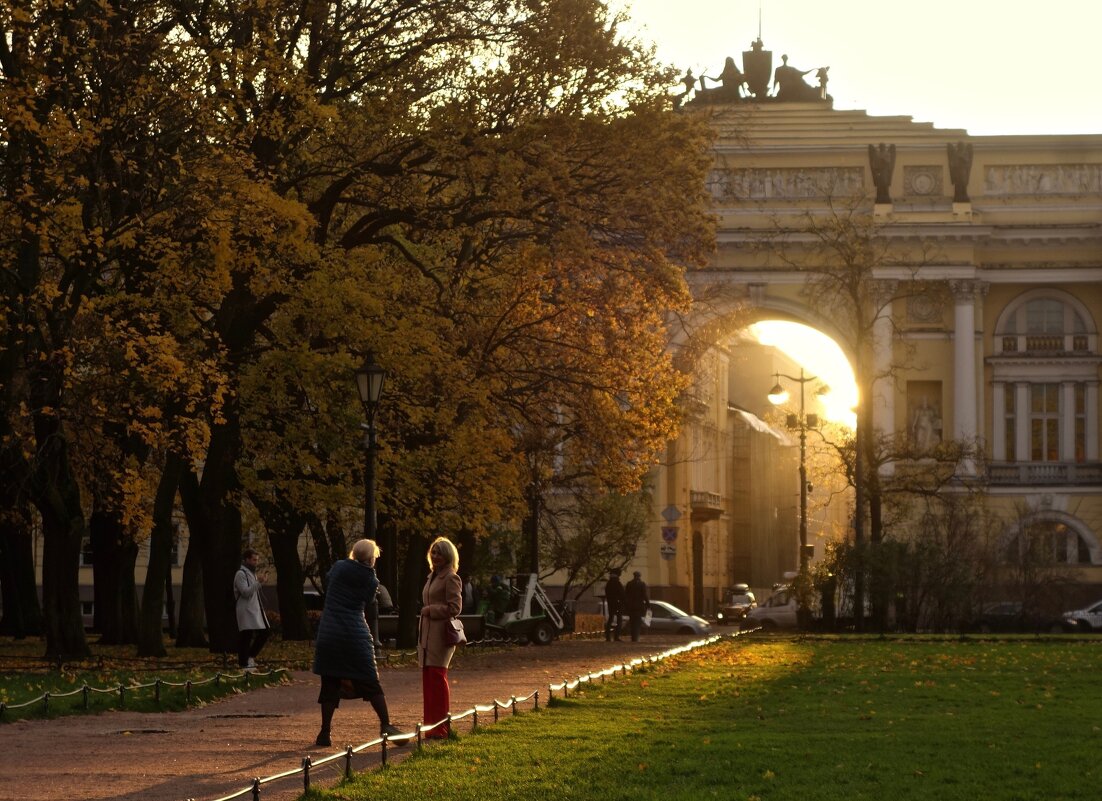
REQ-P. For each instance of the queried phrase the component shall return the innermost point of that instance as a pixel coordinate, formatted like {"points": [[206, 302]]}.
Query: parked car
{"points": [[778, 611], [1089, 618], [740, 600], [1009, 616], [665, 618]]}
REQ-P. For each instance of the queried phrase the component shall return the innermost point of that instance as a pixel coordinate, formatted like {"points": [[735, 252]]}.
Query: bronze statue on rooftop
{"points": [[752, 83], [960, 165]]}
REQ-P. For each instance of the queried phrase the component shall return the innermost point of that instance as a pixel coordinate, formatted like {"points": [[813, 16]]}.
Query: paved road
{"points": [[209, 752]]}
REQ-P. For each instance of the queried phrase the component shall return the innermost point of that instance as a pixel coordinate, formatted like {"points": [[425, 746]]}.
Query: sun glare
{"points": [[820, 356]]}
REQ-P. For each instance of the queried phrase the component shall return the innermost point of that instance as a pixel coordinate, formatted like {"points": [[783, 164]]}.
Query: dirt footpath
{"points": [[212, 751]]}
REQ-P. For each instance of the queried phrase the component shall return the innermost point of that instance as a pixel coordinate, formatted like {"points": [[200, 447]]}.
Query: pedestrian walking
{"points": [[614, 606], [442, 600], [252, 624], [344, 653], [635, 603]]}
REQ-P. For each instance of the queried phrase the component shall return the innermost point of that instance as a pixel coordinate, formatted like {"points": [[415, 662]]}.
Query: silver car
{"points": [[665, 618]]}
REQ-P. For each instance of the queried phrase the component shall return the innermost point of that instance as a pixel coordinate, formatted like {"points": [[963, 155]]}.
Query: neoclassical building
{"points": [[990, 283]]}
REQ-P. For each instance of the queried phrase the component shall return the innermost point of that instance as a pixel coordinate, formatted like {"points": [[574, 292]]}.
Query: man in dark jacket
{"points": [[614, 603], [635, 602]]}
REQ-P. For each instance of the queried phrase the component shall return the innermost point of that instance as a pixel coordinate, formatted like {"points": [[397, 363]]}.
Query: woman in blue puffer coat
{"points": [[344, 652]]}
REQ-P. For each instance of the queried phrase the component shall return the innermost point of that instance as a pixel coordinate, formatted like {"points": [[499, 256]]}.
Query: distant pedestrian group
{"points": [[630, 599]]}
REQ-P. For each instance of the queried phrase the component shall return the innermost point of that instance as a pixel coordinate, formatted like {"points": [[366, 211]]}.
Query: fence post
{"points": [[474, 720], [417, 731], [45, 703], [3, 706], [306, 774], [122, 696], [382, 755], [495, 710], [537, 697], [256, 788], [246, 679], [217, 679], [348, 762], [157, 691], [187, 694], [448, 724], [514, 705], [85, 690], [566, 688]]}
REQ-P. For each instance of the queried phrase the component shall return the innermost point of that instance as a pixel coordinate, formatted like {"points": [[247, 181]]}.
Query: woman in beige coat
{"points": [[441, 599]]}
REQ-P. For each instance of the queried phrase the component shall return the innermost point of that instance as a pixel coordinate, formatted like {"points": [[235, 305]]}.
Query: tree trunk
{"points": [[57, 495], [18, 592], [192, 624], [284, 527], [105, 547], [150, 634], [408, 595]]}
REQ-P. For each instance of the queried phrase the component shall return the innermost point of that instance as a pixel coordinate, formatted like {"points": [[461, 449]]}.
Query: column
{"points": [[883, 393], [1067, 421], [998, 428], [964, 366], [1021, 422], [1091, 431]]}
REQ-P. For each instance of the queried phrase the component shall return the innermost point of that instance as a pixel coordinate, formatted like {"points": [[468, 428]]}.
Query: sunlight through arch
{"points": [[819, 355]]}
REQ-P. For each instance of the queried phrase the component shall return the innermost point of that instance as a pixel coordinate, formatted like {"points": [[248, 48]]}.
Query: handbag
{"points": [[454, 634]]}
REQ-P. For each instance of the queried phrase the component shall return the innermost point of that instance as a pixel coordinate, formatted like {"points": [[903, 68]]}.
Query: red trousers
{"points": [[437, 696]]}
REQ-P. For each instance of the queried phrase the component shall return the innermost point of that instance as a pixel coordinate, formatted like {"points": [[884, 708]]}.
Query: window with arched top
{"points": [[1045, 390], [1050, 542]]}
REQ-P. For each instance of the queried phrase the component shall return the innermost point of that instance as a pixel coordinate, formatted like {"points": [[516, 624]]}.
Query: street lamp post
{"points": [[777, 396], [369, 383]]}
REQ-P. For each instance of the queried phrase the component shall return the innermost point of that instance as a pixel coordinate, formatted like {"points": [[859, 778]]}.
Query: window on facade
{"points": [[86, 551], [1044, 422], [1080, 422], [1049, 542], [1009, 425], [1048, 324]]}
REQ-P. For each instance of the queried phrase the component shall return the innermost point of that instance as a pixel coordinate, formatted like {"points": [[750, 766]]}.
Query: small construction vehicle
{"points": [[530, 613]]}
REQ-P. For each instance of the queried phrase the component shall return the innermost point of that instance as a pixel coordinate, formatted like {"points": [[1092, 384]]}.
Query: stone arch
{"points": [[1074, 526], [1008, 314]]}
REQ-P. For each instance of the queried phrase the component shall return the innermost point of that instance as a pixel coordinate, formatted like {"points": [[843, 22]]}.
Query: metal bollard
{"points": [[217, 679], [514, 705], [474, 720], [382, 754], [306, 774], [417, 731], [246, 679], [45, 703], [448, 724], [157, 691], [3, 707], [187, 692], [85, 691], [256, 788], [122, 697], [495, 710], [348, 762], [537, 697]]}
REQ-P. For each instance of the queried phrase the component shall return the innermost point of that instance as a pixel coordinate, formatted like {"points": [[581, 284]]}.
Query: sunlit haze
{"points": [[820, 356], [988, 67]]}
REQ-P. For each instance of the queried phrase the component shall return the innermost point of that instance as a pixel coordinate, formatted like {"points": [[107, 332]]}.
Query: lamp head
{"points": [[369, 382], [778, 394]]}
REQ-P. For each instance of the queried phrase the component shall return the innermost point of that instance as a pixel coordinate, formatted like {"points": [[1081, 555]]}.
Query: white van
{"points": [[776, 612]]}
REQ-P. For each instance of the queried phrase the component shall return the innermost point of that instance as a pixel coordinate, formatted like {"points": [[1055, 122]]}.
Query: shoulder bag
{"points": [[454, 633]]}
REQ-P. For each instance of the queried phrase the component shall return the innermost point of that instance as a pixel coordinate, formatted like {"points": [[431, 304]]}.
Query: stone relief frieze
{"points": [[759, 183], [923, 308], [1043, 179]]}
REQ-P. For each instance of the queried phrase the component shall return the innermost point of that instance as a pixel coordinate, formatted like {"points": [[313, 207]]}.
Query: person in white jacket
{"points": [[252, 623]]}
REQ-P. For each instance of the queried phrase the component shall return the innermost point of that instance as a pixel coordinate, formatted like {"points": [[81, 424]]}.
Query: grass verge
{"points": [[818, 719]]}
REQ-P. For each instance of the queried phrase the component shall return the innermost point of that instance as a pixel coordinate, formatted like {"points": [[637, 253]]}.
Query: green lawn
{"points": [[24, 676], [794, 719]]}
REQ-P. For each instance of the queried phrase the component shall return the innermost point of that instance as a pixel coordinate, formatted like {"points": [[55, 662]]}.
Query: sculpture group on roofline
{"points": [[753, 83]]}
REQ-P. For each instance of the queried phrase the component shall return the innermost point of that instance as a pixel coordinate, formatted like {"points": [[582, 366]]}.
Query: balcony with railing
{"points": [[1046, 344], [1031, 474], [706, 505]]}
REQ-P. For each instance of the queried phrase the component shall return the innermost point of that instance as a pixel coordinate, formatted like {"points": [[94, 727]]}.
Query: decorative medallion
{"points": [[923, 308], [922, 181]]}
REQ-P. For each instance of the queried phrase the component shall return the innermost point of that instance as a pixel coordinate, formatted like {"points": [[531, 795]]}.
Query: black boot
{"points": [[327, 710], [378, 703]]}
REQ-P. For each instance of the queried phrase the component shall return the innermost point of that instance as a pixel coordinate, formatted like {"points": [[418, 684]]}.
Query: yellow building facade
{"points": [[990, 280]]}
